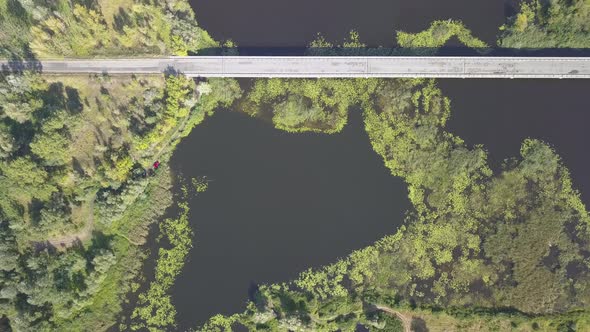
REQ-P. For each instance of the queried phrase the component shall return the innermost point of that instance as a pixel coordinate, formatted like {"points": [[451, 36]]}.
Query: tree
{"points": [[25, 177], [52, 147], [19, 96], [7, 143], [548, 24]]}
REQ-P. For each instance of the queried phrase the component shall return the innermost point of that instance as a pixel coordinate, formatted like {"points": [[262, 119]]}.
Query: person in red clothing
{"points": [[156, 164]]}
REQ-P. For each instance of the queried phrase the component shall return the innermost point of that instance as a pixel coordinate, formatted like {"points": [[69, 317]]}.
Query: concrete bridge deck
{"points": [[310, 66]]}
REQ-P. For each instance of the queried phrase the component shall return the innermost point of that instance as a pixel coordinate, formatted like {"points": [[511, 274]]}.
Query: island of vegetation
{"points": [[78, 191]]}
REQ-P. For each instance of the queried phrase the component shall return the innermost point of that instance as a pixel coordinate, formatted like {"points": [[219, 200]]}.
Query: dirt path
{"points": [[406, 320]]}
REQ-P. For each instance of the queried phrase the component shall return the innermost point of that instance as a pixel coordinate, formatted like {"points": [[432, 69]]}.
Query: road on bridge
{"points": [[308, 66]]}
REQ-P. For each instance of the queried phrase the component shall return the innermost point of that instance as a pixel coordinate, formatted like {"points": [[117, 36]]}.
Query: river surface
{"points": [[280, 203], [500, 114], [288, 23]]}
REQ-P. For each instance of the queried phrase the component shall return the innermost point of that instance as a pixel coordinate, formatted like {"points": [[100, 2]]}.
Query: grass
{"points": [[441, 321], [101, 123], [135, 222], [110, 8]]}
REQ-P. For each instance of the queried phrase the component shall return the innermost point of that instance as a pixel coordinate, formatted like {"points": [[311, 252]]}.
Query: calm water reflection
{"points": [[500, 114], [282, 23], [279, 203]]}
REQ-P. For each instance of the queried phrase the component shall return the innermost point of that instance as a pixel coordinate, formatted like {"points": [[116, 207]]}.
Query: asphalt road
{"points": [[277, 66]]}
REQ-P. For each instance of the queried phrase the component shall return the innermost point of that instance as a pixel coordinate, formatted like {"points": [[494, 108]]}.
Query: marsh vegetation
{"points": [[481, 247]]}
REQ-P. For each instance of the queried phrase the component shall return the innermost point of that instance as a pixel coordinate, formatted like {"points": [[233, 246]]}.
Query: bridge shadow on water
{"points": [[395, 51]]}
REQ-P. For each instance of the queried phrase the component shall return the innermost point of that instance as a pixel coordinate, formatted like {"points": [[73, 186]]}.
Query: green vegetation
{"points": [[200, 184], [322, 105], [351, 46], [77, 192], [475, 245], [154, 309], [548, 24], [426, 42], [306, 105], [438, 34], [78, 195], [479, 250], [99, 28]]}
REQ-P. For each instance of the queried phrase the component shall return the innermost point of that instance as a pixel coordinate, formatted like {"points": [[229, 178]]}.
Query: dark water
{"points": [[500, 114], [288, 23], [279, 203]]}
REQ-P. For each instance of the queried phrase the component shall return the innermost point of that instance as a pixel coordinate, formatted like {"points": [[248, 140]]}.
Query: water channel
{"points": [[280, 203]]}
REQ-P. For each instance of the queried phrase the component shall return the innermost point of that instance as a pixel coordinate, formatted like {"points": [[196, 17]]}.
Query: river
{"points": [[285, 23], [280, 203], [500, 114]]}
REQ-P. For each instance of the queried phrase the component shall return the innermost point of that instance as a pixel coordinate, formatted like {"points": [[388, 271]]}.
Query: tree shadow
{"points": [[54, 95], [90, 4], [65, 97], [73, 102], [419, 325], [171, 71], [100, 241], [40, 246], [238, 327], [77, 166], [121, 20], [361, 328], [17, 64], [34, 208], [15, 9], [253, 291]]}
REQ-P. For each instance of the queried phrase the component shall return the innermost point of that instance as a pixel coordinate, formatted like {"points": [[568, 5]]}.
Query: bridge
{"points": [[317, 66]]}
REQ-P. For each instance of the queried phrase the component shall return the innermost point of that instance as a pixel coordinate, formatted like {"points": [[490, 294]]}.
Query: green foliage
{"points": [[200, 184], [179, 101], [77, 34], [71, 168], [14, 29], [19, 96], [73, 154], [548, 24], [325, 283], [301, 105], [381, 321], [186, 105], [154, 309], [219, 323], [438, 34], [7, 141], [85, 29], [473, 238], [307, 105], [510, 236], [52, 147]]}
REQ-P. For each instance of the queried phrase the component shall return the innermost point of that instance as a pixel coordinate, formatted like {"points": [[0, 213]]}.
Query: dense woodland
{"points": [[76, 164], [47, 28], [548, 24], [504, 250], [77, 193]]}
